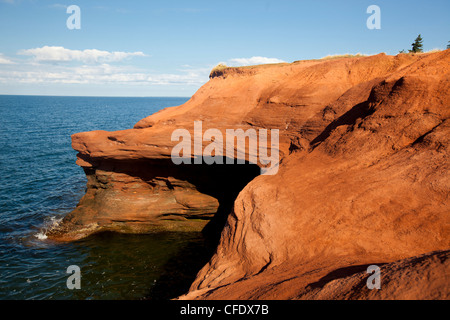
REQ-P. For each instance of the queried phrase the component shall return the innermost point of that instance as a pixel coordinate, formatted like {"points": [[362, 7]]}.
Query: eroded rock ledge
{"points": [[363, 179], [143, 196]]}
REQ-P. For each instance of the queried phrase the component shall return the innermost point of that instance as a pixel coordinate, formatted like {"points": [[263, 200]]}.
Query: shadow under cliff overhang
{"points": [[221, 181]]}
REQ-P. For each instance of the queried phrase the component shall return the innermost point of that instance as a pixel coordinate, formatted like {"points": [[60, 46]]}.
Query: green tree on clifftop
{"points": [[417, 46]]}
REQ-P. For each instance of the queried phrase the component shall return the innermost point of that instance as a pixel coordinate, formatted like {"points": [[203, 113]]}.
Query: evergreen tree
{"points": [[417, 46], [448, 46]]}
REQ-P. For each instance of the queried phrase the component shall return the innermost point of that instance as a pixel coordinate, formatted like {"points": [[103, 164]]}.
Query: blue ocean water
{"points": [[40, 183]]}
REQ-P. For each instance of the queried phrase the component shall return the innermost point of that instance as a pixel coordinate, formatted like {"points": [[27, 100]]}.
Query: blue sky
{"points": [[167, 48]]}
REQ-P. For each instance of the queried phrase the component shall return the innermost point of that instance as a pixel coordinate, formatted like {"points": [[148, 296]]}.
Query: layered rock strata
{"points": [[363, 176]]}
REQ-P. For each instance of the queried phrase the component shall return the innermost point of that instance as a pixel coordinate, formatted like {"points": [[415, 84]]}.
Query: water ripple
{"points": [[40, 183]]}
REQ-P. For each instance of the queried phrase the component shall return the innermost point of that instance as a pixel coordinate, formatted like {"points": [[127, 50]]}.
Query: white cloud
{"points": [[58, 65], [103, 74], [252, 61], [58, 6], [61, 54], [5, 60]]}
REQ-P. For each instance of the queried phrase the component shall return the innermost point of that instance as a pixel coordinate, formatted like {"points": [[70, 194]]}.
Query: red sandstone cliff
{"points": [[363, 179]]}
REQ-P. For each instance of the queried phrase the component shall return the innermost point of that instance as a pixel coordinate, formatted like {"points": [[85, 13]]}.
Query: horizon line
{"points": [[80, 96]]}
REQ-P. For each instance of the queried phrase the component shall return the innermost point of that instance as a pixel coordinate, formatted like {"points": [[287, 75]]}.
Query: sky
{"points": [[168, 48]]}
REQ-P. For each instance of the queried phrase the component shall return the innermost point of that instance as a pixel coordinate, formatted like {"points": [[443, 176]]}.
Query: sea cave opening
{"points": [[221, 181]]}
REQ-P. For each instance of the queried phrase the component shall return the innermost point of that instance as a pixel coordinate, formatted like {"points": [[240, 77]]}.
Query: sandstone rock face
{"points": [[140, 199], [374, 187], [425, 277], [363, 176], [151, 196]]}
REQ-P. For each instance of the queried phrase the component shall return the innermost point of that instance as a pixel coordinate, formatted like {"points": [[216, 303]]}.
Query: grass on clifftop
{"points": [[347, 55], [217, 70]]}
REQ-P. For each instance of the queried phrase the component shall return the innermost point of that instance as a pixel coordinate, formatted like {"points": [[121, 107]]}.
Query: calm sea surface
{"points": [[40, 183]]}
